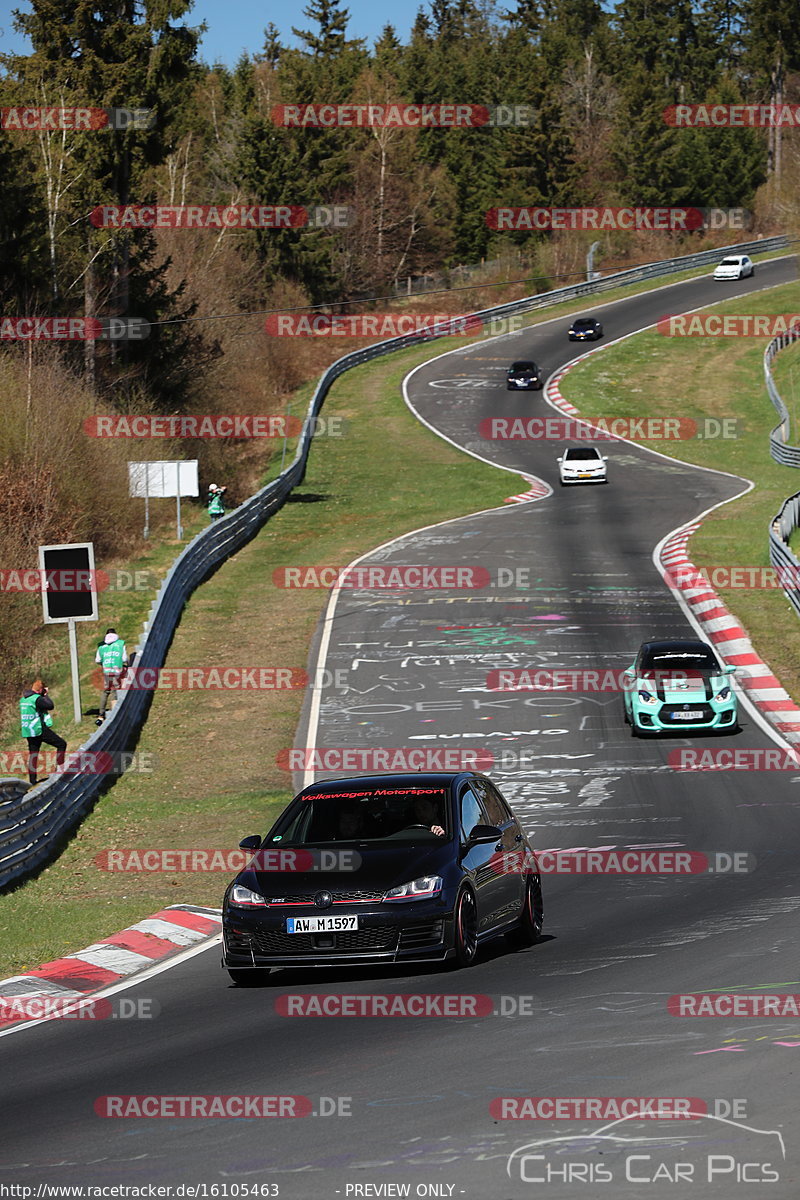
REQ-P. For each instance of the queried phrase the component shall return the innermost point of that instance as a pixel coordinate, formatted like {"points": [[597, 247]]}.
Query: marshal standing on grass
{"points": [[35, 707], [113, 658], [216, 503]]}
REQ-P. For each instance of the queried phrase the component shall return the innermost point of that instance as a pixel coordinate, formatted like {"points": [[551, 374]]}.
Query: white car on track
{"points": [[735, 266], [582, 464]]}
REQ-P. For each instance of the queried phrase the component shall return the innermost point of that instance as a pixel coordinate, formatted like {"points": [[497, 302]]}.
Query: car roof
{"points": [[584, 321], [583, 447], [686, 645], [396, 780], [523, 362]]}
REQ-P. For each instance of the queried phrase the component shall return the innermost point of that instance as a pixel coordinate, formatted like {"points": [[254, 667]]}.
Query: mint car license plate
{"points": [[688, 716], [320, 924]]}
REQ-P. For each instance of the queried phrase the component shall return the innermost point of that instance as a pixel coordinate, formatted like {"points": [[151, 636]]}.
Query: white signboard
{"points": [[153, 479], [163, 478]]}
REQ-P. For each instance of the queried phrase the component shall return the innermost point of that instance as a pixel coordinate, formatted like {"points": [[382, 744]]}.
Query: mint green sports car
{"points": [[679, 684]]}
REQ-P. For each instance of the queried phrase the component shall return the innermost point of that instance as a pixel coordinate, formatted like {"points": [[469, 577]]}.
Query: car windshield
{"points": [[685, 661], [519, 367], [372, 815], [730, 262], [583, 323], [583, 453]]}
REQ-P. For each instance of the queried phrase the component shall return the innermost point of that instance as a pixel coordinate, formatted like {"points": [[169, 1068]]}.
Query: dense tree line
{"points": [[598, 83]]}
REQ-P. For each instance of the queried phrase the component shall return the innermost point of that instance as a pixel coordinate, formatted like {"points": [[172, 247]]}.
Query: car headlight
{"points": [[418, 889], [723, 694], [647, 697], [242, 897]]}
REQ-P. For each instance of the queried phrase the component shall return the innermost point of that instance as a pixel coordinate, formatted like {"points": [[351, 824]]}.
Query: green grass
{"points": [[718, 378]]}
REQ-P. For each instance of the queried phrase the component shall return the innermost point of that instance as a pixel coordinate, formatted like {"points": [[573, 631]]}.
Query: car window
{"points": [[680, 660], [472, 813], [582, 453], [364, 814], [492, 803]]}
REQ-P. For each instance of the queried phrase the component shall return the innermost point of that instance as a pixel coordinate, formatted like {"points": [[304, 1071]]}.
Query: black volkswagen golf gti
{"points": [[382, 869]]}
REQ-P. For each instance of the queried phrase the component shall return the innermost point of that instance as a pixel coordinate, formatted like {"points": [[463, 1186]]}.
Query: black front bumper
{"points": [[253, 939]]}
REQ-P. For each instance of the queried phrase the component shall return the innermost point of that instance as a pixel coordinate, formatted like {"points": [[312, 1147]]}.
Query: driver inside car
{"points": [[426, 812]]}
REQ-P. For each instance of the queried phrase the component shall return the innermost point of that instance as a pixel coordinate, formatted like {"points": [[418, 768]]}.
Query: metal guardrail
{"points": [[781, 557], [33, 825], [782, 525], [779, 448]]}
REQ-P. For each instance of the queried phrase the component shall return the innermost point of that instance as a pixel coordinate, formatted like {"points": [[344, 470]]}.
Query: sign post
{"points": [[69, 594], [163, 478]]}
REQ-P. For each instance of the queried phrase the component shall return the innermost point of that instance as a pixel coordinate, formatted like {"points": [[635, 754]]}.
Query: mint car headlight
{"points": [[723, 694], [417, 889], [647, 697]]}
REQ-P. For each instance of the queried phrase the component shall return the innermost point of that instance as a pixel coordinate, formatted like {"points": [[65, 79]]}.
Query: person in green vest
{"points": [[216, 505], [35, 708], [113, 658]]}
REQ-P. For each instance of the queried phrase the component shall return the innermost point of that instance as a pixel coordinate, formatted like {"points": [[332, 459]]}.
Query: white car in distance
{"points": [[735, 266], [582, 464]]}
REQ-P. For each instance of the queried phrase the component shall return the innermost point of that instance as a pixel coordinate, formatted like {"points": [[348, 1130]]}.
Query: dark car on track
{"points": [[585, 329], [382, 869], [524, 376]]}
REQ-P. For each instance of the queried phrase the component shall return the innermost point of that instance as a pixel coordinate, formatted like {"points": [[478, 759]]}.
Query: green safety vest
{"points": [[31, 718], [215, 504], [112, 655]]}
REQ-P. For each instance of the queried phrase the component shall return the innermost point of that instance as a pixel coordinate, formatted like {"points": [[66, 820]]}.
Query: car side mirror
{"points": [[605, 458], [253, 842], [730, 670], [482, 835], [560, 458]]}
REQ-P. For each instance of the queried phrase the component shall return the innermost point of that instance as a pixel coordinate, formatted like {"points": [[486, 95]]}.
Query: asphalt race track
{"points": [[584, 1013]]}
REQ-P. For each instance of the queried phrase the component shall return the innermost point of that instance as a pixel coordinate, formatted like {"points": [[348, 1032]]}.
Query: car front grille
{"points": [[339, 897], [353, 941], [668, 711]]}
